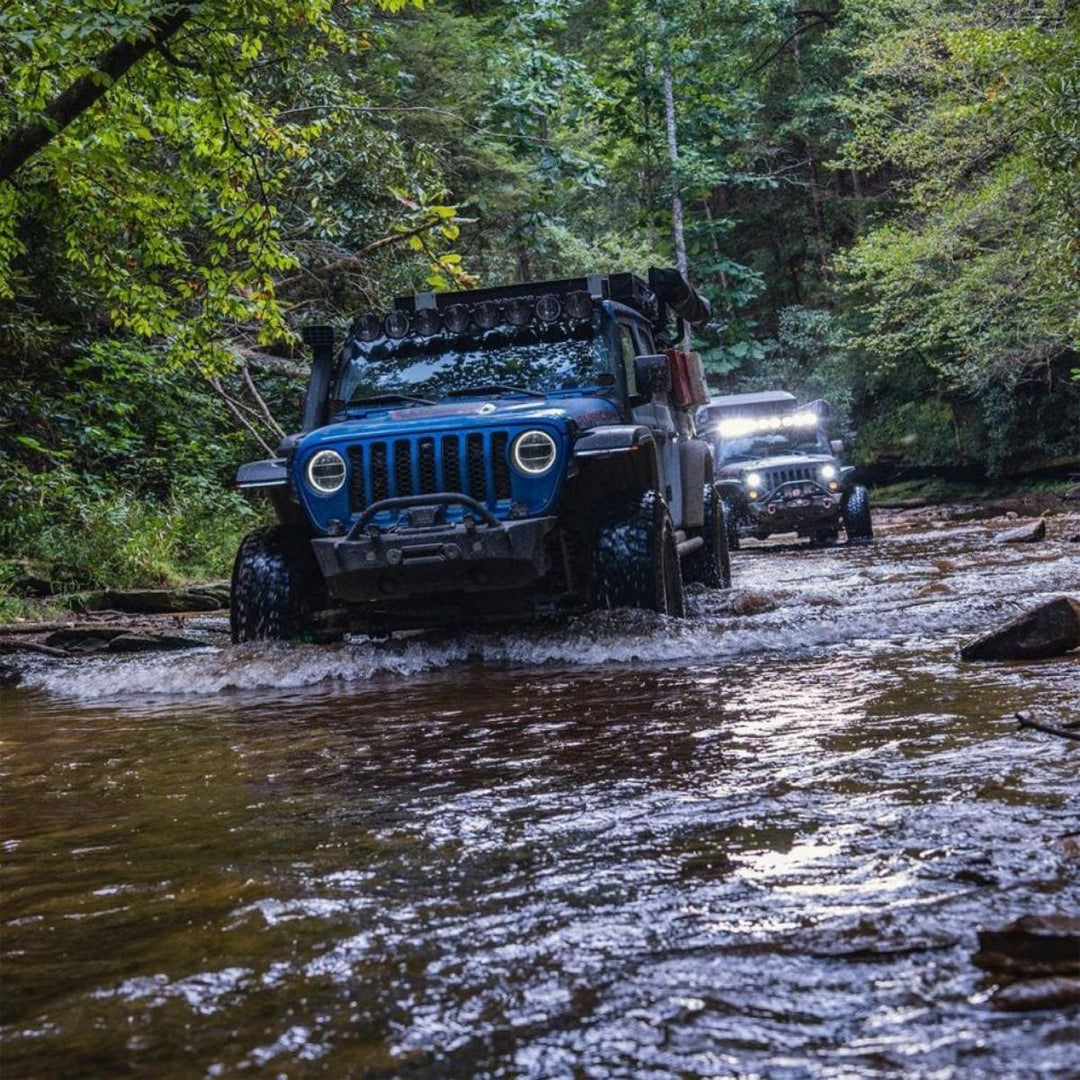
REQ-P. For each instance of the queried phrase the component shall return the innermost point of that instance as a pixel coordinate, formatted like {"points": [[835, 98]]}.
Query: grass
{"points": [[938, 490], [118, 541]]}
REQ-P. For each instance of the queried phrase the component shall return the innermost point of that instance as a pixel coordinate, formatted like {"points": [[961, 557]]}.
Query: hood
{"points": [[777, 461], [583, 412]]}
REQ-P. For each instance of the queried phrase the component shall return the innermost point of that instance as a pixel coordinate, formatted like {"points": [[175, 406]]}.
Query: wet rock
{"points": [[84, 639], [935, 588], [139, 642], [1032, 994], [1026, 534], [1074, 539], [116, 639], [153, 601], [22, 645], [1034, 945], [1050, 629], [10, 675], [748, 603]]}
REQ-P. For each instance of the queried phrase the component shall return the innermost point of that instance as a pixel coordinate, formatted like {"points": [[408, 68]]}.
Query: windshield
{"points": [[791, 440], [431, 368]]}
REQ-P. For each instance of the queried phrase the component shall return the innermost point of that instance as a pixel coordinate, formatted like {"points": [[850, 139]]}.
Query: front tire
{"points": [[857, 521], [711, 564], [276, 586], [637, 561]]}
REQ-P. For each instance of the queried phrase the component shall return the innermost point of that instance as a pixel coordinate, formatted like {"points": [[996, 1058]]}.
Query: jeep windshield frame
{"points": [[553, 360]]}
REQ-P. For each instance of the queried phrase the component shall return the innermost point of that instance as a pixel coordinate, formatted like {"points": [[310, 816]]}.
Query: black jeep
{"points": [[778, 471], [490, 455]]}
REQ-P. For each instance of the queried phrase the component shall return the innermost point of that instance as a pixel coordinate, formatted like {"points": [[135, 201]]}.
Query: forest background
{"points": [[880, 197]]}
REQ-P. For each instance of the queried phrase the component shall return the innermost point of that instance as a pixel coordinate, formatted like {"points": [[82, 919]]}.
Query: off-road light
{"points": [[753, 494], [518, 311], [534, 452], [368, 327], [397, 324], [486, 315], [426, 322], [753, 480], [833, 485], [548, 308], [326, 472], [457, 318], [828, 471], [579, 304]]}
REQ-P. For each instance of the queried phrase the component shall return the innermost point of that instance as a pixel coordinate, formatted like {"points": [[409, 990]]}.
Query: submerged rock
{"points": [[1026, 534], [1032, 994], [155, 601], [117, 639], [1050, 629], [10, 675], [1034, 945]]}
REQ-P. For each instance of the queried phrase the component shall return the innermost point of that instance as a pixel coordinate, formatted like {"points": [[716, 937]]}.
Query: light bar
{"points": [[740, 426]]}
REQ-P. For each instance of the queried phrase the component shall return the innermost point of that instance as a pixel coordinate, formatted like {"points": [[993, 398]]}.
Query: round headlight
{"points": [[828, 471], [753, 480], [326, 472], [534, 452]]}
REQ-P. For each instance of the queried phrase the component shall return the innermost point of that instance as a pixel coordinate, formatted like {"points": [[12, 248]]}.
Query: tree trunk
{"points": [[111, 65], [673, 156]]}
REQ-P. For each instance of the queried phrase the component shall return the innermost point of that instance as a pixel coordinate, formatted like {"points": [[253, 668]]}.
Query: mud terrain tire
{"points": [[276, 586], [856, 511], [637, 562], [710, 565]]}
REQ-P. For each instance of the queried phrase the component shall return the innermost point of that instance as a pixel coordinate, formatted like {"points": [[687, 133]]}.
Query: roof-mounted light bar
{"points": [[462, 318]]}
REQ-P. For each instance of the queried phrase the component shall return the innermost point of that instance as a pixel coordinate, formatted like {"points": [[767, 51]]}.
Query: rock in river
{"points": [[1033, 945], [1026, 534], [1050, 629]]}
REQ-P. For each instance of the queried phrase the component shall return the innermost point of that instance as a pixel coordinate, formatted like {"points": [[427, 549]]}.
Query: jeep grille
{"points": [[397, 467], [793, 474]]}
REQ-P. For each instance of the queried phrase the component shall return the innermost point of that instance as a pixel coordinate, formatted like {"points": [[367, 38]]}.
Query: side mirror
{"points": [[837, 447], [652, 374]]}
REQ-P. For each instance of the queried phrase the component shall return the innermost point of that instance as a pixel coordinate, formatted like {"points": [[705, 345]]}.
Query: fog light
{"points": [[753, 494], [486, 315], [457, 318], [426, 322], [548, 307], [518, 312], [833, 485], [579, 304], [368, 327]]}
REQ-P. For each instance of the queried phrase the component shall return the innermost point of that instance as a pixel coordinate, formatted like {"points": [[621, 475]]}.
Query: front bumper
{"points": [[410, 560], [784, 511]]}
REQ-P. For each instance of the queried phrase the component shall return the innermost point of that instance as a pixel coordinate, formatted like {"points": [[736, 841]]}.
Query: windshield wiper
{"points": [[494, 388], [388, 399]]}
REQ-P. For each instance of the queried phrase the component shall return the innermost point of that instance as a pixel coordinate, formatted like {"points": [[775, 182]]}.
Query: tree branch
{"points": [[111, 65], [349, 262]]}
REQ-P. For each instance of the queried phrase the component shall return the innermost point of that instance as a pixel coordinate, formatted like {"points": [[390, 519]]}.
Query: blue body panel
{"points": [[412, 450]]}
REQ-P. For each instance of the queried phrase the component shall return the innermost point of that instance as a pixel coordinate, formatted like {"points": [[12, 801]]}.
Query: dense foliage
{"points": [[881, 198]]}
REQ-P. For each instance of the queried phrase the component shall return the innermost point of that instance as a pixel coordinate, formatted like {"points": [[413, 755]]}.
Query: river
{"points": [[754, 843]]}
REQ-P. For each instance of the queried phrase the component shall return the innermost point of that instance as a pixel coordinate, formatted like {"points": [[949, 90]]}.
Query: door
{"points": [[656, 414]]}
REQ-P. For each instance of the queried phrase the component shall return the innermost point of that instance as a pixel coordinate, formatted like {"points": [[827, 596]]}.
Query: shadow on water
{"points": [[756, 842]]}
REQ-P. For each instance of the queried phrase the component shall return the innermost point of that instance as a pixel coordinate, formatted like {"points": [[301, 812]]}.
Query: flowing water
{"points": [[756, 843]]}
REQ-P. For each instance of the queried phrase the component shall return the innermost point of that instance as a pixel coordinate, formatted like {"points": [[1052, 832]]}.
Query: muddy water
{"points": [[753, 844]]}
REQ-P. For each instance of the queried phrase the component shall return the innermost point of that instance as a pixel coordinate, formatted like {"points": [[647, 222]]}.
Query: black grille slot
{"points": [[428, 482], [403, 484], [474, 460], [451, 463], [356, 479], [380, 480], [499, 464]]}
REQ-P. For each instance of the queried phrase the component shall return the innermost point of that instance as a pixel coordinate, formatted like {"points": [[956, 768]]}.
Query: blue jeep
{"points": [[490, 455]]}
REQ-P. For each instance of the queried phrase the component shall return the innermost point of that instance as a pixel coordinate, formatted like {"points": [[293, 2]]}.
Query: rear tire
{"points": [[276, 586], [857, 521], [710, 565], [637, 561]]}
